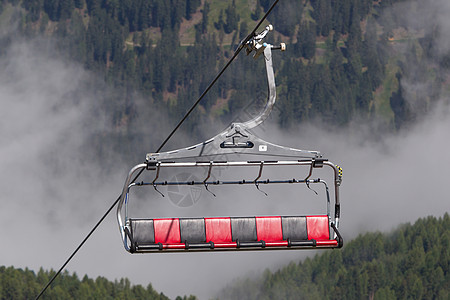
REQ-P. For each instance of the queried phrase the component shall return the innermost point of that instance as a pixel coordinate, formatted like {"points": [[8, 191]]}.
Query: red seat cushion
{"points": [[167, 231], [269, 229], [218, 230], [318, 228]]}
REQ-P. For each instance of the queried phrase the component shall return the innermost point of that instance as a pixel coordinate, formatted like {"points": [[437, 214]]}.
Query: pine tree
{"points": [[232, 18], [306, 40]]}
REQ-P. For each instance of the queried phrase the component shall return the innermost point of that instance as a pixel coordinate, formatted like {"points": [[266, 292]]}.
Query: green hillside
{"points": [[413, 262], [345, 59], [26, 284]]}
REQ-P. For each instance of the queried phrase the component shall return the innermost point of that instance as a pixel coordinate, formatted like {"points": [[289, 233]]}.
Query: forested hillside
{"points": [[26, 284], [413, 262], [345, 59]]}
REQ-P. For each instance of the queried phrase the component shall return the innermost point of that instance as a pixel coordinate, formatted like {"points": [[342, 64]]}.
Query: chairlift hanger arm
{"points": [[237, 139], [272, 92], [238, 50]]}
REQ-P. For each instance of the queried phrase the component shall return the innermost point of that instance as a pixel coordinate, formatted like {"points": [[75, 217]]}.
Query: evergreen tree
{"points": [[323, 16], [65, 9], [287, 17], [204, 23], [306, 40], [400, 106], [219, 25], [33, 8], [191, 7], [51, 7], [256, 15], [232, 18]]}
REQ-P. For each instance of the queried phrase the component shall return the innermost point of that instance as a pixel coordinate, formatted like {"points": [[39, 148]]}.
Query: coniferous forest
{"points": [[345, 60], [410, 263], [25, 284]]}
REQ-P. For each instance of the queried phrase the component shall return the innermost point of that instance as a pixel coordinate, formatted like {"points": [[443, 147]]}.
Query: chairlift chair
{"points": [[157, 235]]}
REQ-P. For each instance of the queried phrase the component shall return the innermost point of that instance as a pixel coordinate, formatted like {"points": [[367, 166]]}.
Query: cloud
{"points": [[54, 188], [430, 17]]}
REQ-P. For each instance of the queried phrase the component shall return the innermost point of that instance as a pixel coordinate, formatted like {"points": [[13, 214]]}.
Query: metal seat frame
{"points": [[236, 140]]}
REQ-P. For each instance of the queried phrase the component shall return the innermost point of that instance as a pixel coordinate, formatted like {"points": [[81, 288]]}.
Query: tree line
{"points": [[26, 284], [413, 262]]}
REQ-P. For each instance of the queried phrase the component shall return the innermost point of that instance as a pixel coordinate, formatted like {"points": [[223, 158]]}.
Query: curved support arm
{"points": [[122, 200], [272, 91], [337, 182]]}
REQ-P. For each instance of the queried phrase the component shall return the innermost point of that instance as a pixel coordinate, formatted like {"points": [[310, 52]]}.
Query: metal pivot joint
{"points": [[256, 43]]}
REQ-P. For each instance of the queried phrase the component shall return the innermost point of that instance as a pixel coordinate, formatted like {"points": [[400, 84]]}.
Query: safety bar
{"points": [[157, 165]]}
